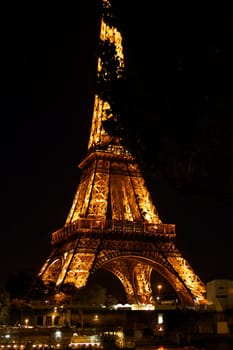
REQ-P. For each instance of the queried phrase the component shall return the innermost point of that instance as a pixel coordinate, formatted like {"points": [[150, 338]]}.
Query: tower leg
{"points": [[135, 278]]}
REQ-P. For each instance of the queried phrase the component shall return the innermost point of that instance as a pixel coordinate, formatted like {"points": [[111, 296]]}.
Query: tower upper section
{"points": [[106, 130]]}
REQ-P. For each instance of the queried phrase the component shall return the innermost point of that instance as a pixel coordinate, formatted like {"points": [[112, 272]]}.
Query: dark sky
{"points": [[180, 105]]}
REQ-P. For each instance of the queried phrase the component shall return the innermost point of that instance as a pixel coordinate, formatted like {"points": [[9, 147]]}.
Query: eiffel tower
{"points": [[113, 223]]}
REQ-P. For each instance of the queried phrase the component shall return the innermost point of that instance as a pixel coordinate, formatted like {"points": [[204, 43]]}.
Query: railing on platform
{"points": [[90, 225]]}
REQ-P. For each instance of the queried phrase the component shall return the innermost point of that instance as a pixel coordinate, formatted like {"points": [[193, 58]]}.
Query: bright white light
{"points": [[160, 318]]}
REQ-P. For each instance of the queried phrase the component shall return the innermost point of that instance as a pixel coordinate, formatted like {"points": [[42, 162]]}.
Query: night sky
{"points": [[178, 120]]}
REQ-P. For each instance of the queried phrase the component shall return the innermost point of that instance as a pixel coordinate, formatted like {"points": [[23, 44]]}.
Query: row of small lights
{"points": [[22, 346]]}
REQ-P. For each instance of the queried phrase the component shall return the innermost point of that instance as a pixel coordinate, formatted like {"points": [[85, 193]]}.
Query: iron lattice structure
{"points": [[113, 223]]}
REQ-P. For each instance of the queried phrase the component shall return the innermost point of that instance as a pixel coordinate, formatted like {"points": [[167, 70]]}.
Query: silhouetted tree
{"points": [[91, 294], [4, 308]]}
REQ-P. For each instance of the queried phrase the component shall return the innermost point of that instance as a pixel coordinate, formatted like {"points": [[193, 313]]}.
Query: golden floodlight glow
{"points": [[113, 223]]}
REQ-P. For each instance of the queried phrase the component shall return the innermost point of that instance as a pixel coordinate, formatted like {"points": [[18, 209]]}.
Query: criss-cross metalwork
{"points": [[113, 223]]}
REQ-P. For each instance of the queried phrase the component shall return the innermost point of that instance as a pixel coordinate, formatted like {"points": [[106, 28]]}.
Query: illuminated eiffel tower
{"points": [[113, 223]]}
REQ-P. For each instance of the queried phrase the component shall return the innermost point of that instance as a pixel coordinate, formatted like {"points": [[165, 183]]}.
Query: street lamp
{"points": [[159, 289], [96, 318], [26, 322]]}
